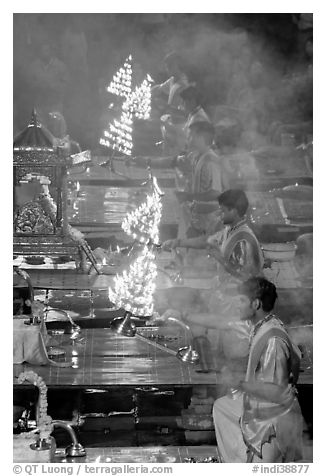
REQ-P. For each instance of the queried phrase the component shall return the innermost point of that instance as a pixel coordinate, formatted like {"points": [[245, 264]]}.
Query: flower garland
{"points": [[43, 420], [49, 206], [76, 235]]}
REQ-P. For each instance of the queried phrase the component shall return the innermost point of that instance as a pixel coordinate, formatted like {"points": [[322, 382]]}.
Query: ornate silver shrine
{"points": [[41, 225]]}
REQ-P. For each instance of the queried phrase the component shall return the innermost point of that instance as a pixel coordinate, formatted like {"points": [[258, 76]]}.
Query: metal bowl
{"points": [[279, 251]]}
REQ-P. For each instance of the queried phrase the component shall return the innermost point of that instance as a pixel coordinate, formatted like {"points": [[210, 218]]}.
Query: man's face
{"points": [[246, 310], [227, 214]]}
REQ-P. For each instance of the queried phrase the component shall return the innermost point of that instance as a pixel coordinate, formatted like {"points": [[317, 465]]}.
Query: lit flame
{"points": [[137, 104], [119, 137], [143, 223], [139, 101], [121, 82], [134, 290], [156, 187]]}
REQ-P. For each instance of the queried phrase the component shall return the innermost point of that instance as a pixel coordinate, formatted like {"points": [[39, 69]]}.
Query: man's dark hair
{"points": [[260, 288], [234, 198], [205, 129], [190, 93]]}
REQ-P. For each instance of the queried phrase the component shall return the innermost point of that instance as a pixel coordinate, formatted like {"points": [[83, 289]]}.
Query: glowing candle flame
{"points": [[134, 290], [143, 223], [118, 135], [121, 82], [139, 101]]}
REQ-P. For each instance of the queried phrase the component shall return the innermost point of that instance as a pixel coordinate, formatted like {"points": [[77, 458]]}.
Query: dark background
{"points": [[97, 45]]}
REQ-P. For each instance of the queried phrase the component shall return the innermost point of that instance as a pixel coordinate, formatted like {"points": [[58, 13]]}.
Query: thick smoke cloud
{"points": [[218, 50]]}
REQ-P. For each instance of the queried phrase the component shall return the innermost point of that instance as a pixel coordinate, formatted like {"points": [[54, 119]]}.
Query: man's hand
{"points": [[163, 318], [231, 379], [166, 119], [214, 250], [169, 245], [198, 207], [171, 313], [216, 253]]}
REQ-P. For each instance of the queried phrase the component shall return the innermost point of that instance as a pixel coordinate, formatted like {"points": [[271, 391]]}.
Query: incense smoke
{"points": [[220, 52]]}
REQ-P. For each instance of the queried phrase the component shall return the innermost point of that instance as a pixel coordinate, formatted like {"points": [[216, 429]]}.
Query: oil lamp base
{"points": [[124, 326], [188, 355]]}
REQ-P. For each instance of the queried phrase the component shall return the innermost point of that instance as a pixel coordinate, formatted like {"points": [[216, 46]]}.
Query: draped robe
{"points": [[250, 428]]}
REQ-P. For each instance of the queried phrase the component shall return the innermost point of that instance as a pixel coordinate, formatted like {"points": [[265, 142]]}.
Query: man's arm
{"points": [[264, 390], [273, 375], [204, 319], [199, 242], [245, 259], [243, 263], [217, 254], [210, 184], [163, 87]]}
